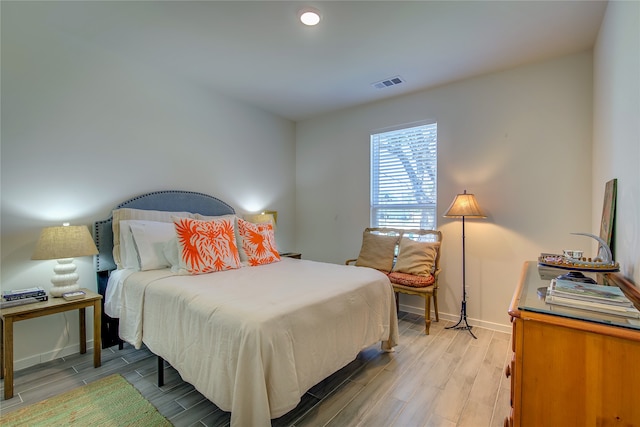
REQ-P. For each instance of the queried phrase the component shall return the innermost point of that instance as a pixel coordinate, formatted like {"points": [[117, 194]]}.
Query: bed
{"points": [[252, 337]]}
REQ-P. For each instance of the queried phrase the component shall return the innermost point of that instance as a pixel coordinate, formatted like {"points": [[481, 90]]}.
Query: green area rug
{"points": [[110, 401]]}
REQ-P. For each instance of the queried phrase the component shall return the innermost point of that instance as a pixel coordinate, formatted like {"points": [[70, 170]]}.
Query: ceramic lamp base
{"points": [[65, 279]]}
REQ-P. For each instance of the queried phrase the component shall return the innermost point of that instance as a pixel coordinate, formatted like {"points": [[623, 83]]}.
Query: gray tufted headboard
{"points": [[169, 200]]}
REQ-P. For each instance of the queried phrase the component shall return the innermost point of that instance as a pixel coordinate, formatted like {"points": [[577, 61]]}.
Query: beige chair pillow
{"points": [[416, 258], [377, 251]]}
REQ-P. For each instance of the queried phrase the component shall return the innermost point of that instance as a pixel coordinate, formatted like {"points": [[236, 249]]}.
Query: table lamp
{"points": [[64, 243], [263, 217]]}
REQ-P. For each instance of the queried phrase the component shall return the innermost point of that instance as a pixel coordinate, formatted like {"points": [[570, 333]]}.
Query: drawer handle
{"points": [[507, 371]]}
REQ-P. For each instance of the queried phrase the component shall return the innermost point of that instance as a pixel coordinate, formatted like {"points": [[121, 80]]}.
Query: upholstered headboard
{"points": [[170, 200]]}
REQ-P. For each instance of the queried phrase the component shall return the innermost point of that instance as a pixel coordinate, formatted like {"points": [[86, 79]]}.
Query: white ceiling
{"points": [[258, 52]]}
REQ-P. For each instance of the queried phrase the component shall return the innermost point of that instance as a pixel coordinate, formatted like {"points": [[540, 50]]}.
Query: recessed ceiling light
{"points": [[309, 16]]}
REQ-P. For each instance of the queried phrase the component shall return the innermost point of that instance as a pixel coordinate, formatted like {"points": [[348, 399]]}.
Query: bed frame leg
{"points": [[160, 371]]}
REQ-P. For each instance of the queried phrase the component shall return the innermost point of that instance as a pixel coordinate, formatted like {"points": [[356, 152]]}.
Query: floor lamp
{"points": [[464, 206]]}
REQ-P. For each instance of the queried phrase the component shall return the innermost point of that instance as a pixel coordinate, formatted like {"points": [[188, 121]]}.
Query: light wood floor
{"points": [[443, 379]]}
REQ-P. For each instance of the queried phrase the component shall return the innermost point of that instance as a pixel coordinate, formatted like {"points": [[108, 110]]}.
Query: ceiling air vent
{"points": [[392, 81]]}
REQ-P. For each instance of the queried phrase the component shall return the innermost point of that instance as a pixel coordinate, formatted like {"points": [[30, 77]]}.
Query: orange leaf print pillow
{"points": [[258, 242], [206, 246]]}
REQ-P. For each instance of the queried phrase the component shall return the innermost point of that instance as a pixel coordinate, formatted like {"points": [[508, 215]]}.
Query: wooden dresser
{"points": [[570, 367]]}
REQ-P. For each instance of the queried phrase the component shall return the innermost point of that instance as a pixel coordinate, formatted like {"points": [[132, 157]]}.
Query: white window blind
{"points": [[403, 177]]}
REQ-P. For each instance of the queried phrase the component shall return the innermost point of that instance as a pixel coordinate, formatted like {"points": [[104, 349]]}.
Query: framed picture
{"points": [[608, 213]]}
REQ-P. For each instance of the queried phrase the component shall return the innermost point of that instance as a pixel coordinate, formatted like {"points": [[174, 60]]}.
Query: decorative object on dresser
{"points": [[574, 261], [64, 243], [464, 206]]}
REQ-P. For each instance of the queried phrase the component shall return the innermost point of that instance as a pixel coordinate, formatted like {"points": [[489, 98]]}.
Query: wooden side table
{"points": [[54, 305]]}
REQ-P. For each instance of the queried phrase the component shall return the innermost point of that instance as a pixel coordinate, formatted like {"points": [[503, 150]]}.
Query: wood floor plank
{"points": [[366, 400], [475, 414], [382, 414], [418, 408], [328, 407]]}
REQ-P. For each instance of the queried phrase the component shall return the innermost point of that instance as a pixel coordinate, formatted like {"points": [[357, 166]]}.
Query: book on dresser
{"points": [[586, 296]]}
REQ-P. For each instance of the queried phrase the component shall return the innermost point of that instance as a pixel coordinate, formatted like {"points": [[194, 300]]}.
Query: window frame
{"points": [[426, 210]]}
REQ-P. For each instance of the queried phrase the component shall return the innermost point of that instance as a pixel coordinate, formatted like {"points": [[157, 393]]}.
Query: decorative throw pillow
{"points": [[411, 279], [377, 251], [243, 256], [416, 258], [258, 242], [206, 246]]}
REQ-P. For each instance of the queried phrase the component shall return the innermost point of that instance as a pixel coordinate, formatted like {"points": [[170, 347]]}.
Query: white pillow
{"points": [[128, 251], [150, 238], [172, 253], [137, 214]]}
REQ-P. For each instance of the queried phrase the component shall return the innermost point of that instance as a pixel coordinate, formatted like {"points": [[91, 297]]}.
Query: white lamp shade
{"points": [[465, 205], [70, 241]]}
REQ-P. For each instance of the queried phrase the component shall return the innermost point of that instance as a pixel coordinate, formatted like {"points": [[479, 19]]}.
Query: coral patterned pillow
{"points": [[258, 242], [206, 246]]}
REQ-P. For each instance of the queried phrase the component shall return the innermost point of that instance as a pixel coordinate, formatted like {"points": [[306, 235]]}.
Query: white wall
{"points": [[84, 129], [519, 139], [616, 136]]}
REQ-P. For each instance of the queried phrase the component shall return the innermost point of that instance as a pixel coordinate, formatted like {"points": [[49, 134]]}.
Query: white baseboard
{"points": [[36, 359], [455, 317]]}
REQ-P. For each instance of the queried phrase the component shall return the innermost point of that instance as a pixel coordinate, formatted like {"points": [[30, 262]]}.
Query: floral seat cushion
{"points": [[411, 280]]}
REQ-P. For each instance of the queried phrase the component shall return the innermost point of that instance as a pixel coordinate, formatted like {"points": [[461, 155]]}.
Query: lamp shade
{"points": [[64, 242], [465, 205], [264, 217]]}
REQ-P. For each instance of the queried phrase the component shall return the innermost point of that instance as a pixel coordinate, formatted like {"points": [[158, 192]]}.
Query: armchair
{"points": [[411, 260]]}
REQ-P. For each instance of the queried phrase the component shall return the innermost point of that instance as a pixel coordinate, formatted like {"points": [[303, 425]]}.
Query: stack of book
{"points": [[603, 299], [23, 296]]}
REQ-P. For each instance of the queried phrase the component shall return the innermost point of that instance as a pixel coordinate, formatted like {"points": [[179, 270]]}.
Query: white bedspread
{"points": [[254, 340]]}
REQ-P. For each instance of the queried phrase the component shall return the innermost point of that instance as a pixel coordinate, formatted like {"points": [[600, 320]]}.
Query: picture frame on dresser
{"points": [[607, 223]]}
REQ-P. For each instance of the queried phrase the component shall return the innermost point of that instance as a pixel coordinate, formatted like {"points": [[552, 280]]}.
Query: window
{"points": [[403, 177]]}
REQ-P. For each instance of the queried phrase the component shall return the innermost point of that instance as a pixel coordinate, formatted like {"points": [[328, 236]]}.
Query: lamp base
{"points": [[57, 291], [462, 322], [65, 279]]}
